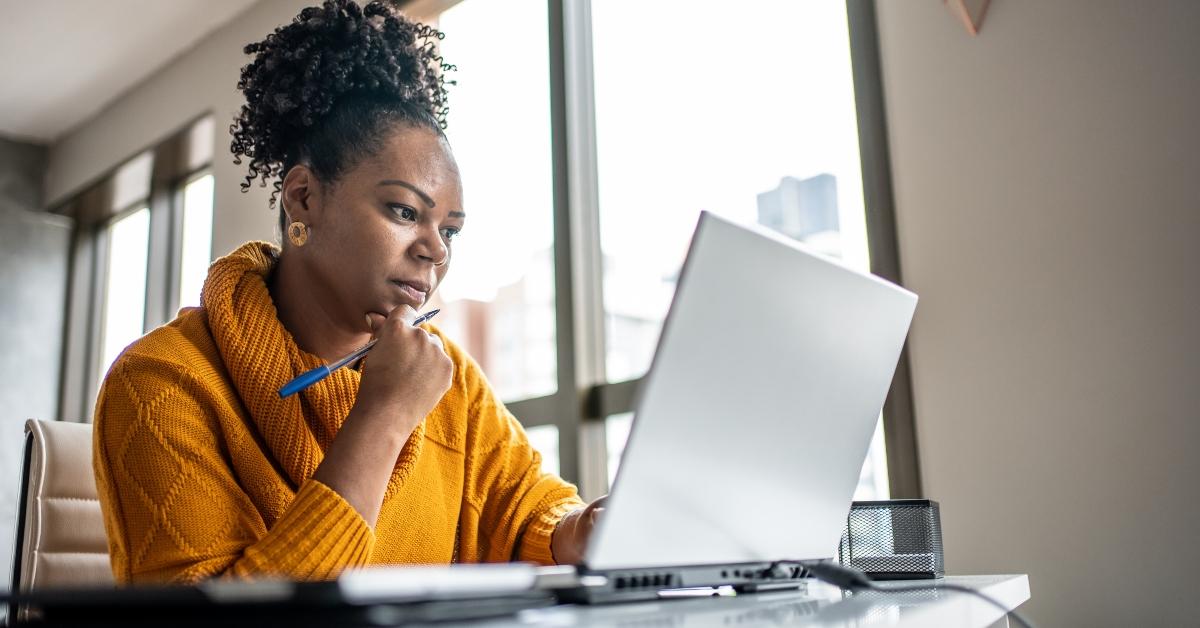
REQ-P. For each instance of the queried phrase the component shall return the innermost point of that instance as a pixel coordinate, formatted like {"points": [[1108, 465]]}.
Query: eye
{"points": [[450, 232], [403, 212]]}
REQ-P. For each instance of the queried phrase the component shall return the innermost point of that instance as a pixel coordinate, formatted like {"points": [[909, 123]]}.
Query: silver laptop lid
{"points": [[754, 420]]}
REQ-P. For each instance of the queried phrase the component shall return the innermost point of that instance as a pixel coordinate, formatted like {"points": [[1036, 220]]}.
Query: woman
{"points": [[408, 457]]}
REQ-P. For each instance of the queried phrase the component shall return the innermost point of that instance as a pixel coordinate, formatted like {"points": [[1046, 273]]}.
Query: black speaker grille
{"points": [[899, 538]]}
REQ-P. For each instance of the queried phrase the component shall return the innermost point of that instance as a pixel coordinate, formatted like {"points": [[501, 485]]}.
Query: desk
{"points": [[816, 604], [820, 605]]}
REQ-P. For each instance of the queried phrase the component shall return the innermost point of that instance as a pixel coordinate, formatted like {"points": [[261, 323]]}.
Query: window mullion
{"points": [[904, 473], [536, 411], [80, 333], [160, 260], [577, 268], [95, 339], [588, 295], [612, 398]]}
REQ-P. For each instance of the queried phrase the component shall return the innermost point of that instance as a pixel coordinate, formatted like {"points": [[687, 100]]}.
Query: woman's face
{"points": [[382, 235]]}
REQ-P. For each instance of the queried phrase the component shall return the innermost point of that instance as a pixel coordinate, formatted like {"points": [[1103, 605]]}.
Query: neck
{"points": [[309, 314]]}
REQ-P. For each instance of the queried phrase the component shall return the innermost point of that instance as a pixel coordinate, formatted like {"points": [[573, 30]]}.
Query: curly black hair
{"points": [[325, 86]]}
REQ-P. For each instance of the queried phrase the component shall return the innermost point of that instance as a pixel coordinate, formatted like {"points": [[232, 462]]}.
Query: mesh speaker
{"points": [[896, 539]]}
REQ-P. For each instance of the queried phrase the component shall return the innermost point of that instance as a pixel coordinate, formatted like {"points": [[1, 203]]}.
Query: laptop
{"points": [[753, 422]]}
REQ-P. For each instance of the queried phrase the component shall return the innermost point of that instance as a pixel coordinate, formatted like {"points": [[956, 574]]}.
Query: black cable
{"points": [[851, 579]]}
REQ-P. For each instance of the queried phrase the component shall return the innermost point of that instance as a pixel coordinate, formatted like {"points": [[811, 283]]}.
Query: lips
{"points": [[416, 291]]}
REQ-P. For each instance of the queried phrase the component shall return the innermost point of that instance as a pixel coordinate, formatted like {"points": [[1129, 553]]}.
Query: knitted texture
{"points": [[203, 470]]}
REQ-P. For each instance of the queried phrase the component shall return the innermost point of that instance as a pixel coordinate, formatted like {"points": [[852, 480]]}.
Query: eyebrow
{"points": [[424, 197]]}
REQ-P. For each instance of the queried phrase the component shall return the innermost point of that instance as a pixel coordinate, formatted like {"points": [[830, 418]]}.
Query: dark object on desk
{"points": [[273, 603], [896, 539]]}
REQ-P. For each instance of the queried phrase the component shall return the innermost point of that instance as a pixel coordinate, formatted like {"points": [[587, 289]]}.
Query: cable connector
{"points": [[840, 576]]}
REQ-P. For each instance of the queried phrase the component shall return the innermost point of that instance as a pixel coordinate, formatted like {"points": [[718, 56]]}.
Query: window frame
{"points": [[92, 211], [175, 253], [899, 415], [102, 234]]}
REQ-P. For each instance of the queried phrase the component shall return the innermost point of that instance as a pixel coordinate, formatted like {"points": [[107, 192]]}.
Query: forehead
{"points": [[418, 156]]}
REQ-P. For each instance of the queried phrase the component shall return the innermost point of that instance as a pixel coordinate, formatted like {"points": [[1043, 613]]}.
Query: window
{"points": [[124, 299], [126, 238], [757, 126], [754, 118], [196, 251], [142, 244], [544, 438], [499, 299], [589, 135]]}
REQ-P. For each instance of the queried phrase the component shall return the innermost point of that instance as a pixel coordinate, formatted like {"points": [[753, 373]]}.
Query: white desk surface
{"points": [[819, 605]]}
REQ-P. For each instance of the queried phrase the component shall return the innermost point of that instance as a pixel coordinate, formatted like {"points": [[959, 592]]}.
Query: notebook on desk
{"points": [[752, 425]]}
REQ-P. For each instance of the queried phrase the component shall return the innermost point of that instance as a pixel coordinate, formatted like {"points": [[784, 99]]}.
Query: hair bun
{"points": [[305, 68]]}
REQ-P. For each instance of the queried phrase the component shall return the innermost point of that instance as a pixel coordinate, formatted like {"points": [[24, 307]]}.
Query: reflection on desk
{"points": [[817, 604]]}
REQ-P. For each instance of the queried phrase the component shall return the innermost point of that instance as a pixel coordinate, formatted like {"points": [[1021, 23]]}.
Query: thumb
{"points": [[404, 312], [374, 320]]}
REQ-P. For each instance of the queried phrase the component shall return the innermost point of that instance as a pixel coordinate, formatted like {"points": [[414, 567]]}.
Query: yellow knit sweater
{"points": [[203, 470]]}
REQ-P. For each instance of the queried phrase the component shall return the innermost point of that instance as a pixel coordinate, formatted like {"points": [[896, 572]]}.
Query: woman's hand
{"points": [[570, 539], [407, 375], [408, 371]]}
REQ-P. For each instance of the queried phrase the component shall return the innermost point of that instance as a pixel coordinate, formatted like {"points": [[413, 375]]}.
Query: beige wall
{"points": [[1047, 181], [201, 80]]}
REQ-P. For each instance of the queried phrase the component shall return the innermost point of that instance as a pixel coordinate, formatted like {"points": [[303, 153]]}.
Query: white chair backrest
{"points": [[60, 529]]}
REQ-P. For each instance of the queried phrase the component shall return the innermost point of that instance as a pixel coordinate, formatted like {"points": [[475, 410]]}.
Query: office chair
{"points": [[60, 530]]}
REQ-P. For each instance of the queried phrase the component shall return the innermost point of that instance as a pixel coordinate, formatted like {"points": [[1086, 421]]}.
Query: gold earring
{"points": [[297, 233]]}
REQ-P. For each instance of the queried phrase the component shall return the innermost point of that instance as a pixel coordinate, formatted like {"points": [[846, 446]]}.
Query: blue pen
{"points": [[321, 372]]}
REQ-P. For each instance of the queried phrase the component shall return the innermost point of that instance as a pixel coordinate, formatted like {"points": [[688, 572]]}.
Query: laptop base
{"points": [[653, 583]]}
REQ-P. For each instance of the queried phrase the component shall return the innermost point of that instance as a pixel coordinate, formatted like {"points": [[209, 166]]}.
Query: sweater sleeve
{"points": [[173, 508], [517, 504]]}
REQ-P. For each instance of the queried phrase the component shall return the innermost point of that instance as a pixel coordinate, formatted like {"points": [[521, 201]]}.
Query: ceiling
{"points": [[62, 61]]}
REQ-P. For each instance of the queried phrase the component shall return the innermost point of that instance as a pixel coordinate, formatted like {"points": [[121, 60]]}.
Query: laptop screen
{"points": [[752, 425]]}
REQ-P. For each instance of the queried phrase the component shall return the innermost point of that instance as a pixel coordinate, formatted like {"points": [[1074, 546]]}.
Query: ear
{"points": [[301, 196]]}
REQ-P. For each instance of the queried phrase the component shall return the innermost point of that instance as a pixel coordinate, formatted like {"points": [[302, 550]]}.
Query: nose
{"points": [[430, 247]]}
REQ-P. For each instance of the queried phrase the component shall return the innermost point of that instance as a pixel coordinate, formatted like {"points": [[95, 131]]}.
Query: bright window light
{"points": [[544, 438], [197, 239], [125, 286], [748, 113], [498, 298]]}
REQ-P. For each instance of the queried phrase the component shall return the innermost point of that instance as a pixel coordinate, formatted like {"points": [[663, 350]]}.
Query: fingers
{"points": [[405, 313], [594, 510], [598, 504], [399, 321], [374, 321]]}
